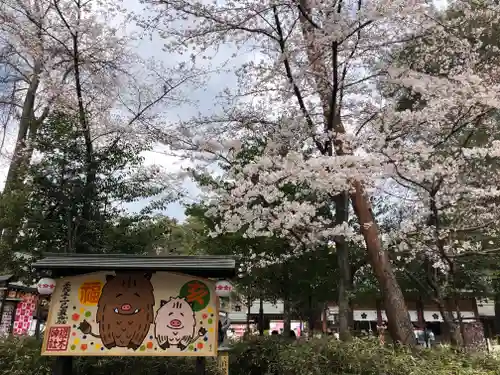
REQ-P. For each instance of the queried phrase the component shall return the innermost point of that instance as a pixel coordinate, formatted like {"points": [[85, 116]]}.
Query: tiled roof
{"points": [[196, 265], [5, 278]]}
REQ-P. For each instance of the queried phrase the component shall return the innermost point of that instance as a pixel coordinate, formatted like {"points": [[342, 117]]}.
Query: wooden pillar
{"points": [[13, 317], [4, 301], [63, 366], [38, 314], [223, 361], [200, 366]]}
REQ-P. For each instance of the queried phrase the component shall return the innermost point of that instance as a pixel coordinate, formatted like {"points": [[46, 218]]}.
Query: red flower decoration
{"points": [[75, 316]]}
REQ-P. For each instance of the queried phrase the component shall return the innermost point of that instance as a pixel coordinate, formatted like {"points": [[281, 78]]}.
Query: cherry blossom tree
{"points": [[309, 93], [75, 56], [447, 163], [302, 87]]}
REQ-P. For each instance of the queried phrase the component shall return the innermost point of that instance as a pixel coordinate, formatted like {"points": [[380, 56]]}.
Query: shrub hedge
{"points": [[22, 357], [359, 357], [267, 356]]}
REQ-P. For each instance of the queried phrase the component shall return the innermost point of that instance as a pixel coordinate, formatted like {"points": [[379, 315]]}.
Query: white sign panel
{"points": [[413, 315], [432, 316], [365, 315], [486, 307]]}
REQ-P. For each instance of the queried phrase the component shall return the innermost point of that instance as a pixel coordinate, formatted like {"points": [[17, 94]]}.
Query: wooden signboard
{"points": [[223, 363], [132, 313]]}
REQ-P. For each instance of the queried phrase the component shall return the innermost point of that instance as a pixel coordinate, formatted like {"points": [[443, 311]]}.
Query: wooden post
{"points": [[2, 304], [200, 366], [223, 360], [37, 316], [13, 318], [62, 366]]}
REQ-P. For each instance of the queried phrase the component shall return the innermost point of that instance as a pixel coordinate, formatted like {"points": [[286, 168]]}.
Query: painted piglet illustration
{"points": [[175, 324]]}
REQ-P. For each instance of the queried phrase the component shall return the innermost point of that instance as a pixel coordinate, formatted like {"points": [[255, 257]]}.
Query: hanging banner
{"points": [[132, 313]]}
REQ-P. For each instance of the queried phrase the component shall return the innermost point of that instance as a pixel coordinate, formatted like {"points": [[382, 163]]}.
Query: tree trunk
{"points": [[287, 321], [285, 290], [23, 151], [261, 317], [497, 314], [86, 236], [343, 300], [400, 326], [460, 323], [85, 242], [341, 216], [452, 329], [399, 323], [249, 309], [311, 316]]}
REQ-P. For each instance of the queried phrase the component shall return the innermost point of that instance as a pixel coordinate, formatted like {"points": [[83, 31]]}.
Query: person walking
{"points": [[428, 337]]}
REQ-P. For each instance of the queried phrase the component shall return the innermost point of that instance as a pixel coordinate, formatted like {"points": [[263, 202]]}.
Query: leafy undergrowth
{"points": [[359, 357], [267, 356]]}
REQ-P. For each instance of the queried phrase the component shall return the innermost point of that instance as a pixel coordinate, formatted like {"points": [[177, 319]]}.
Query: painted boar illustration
{"points": [[124, 311], [175, 324]]}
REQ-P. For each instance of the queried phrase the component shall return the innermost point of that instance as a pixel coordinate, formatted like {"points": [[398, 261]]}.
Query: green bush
{"points": [[22, 357], [275, 356], [270, 355]]}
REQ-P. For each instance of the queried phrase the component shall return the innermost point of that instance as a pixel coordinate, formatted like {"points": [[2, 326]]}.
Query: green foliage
{"points": [[138, 234], [267, 356], [275, 356], [235, 244], [22, 357], [59, 195], [307, 280]]}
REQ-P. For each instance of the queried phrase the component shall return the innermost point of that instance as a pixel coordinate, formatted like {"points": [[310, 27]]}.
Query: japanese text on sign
{"points": [[90, 292], [58, 338], [196, 292], [223, 363]]}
